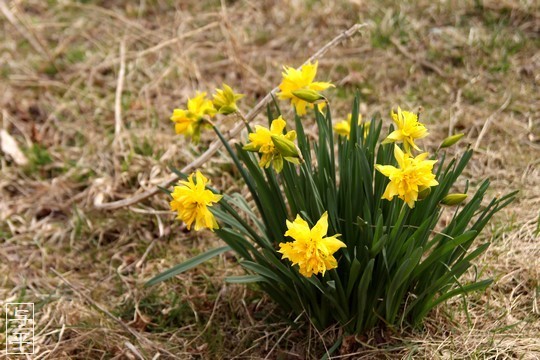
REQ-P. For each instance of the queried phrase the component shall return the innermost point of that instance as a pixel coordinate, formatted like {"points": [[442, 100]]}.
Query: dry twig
{"points": [[118, 100], [490, 119]]}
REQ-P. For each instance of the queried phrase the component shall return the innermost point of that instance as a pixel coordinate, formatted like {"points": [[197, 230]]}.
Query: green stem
{"points": [[246, 226]]}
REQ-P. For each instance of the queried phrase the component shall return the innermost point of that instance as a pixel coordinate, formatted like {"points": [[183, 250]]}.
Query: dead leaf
{"points": [[10, 147]]}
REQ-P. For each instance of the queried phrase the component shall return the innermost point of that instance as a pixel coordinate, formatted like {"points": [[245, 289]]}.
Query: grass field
{"points": [[86, 92]]}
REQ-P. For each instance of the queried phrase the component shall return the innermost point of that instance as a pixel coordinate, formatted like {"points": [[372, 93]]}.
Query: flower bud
{"points": [[453, 199], [311, 96], [451, 140], [285, 147], [228, 109]]}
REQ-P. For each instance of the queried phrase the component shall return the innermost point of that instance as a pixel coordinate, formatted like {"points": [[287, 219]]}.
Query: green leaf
{"points": [[353, 275], [444, 249], [244, 279], [363, 294], [186, 265], [237, 200], [400, 277], [261, 270], [334, 347], [481, 285], [237, 242], [180, 174], [165, 190], [378, 246]]}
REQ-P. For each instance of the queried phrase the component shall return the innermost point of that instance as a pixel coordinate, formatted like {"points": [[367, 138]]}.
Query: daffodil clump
{"points": [[339, 227]]}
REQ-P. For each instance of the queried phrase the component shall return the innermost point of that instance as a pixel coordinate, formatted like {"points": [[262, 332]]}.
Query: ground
{"points": [[86, 92]]}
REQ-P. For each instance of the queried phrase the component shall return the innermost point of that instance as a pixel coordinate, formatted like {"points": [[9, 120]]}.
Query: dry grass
{"points": [[87, 141]]}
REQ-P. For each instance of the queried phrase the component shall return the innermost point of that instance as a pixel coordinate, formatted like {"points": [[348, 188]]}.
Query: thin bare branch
{"points": [[490, 119]]}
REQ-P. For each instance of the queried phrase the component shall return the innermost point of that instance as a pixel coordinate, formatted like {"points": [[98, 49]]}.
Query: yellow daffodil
{"points": [[191, 200], [343, 127], [408, 130], [273, 144], [302, 79], [200, 106], [182, 122], [413, 175], [311, 250], [225, 100], [189, 122]]}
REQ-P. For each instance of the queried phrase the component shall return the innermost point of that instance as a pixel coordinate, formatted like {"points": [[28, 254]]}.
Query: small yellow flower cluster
{"points": [[189, 121], [311, 250], [274, 145]]}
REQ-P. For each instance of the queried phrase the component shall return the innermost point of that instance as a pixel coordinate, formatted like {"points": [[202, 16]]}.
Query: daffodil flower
{"points": [[302, 79], [311, 250], [274, 145], [188, 122], [408, 130], [413, 176], [225, 100], [191, 200]]}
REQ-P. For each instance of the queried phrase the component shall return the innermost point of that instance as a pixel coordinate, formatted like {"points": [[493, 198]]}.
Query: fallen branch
{"points": [[235, 131]]}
